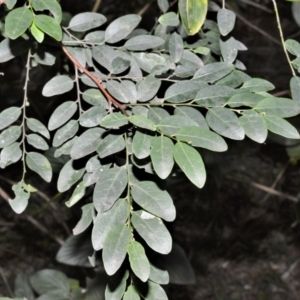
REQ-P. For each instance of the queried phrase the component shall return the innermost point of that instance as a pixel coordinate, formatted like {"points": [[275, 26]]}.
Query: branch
{"points": [[98, 82]]}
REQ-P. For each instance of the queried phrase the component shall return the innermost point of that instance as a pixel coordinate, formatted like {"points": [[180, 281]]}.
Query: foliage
{"points": [[147, 105]]}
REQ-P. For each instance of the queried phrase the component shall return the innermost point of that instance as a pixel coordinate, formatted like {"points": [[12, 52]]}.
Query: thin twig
{"points": [[96, 5], [145, 8], [97, 81], [266, 189], [10, 292], [261, 7]]}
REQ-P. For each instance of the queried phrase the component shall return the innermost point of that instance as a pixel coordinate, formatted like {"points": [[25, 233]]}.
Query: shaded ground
{"points": [[242, 245]]}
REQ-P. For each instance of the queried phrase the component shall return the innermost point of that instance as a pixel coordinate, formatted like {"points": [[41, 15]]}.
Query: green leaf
{"points": [[131, 294], [85, 220], [104, 55], [9, 49], [154, 292], [139, 262], [161, 156], [225, 122], [77, 195], [58, 85], [229, 49], [172, 124], [111, 144], [38, 127], [169, 19], [119, 65], [40, 165], [87, 143], [281, 127], [17, 21], [214, 71], [9, 116], [124, 91], [214, 95], [190, 162], [281, 107], [94, 97], [293, 47], [156, 114], [114, 120], [226, 20], [295, 88], [10, 3], [191, 113], [244, 99], [193, 14], [121, 28], [153, 231], [92, 117], [10, 155], [142, 122], [62, 114], [258, 85], [148, 88], [51, 5], [65, 149], [158, 275], [143, 42], [115, 289], [9, 136], [68, 176], [176, 47], [64, 133], [254, 125], [86, 21], [106, 221], [141, 144], [37, 34], [22, 287], [109, 187], [47, 280], [156, 201], [20, 202], [37, 141], [183, 91], [114, 248], [48, 25], [202, 137]]}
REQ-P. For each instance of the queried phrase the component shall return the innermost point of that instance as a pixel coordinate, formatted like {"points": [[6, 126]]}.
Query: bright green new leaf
{"points": [[86, 21], [191, 163], [153, 231], [39, 164], [10, 155], [20, 202], [17, 21], [156, 201], [64, 133], [254, 125], [109, 187], [142, 122], [37, 34], [139, 262], [37, 141], [58, 85], [9, 136], [9, 116], [131, 294], [51, 5], [85, 220], [193, 14], [161, 156], [48, 25], [115, 248], [202, 137], [78, 194], [106, 221], [114, 120]]}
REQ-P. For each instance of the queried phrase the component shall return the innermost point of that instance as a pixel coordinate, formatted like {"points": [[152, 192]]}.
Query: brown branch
{"points": [[96, 5], [145, 8], [98, 82]]}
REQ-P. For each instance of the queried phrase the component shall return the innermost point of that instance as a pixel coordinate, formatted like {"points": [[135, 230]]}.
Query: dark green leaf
{"points": [[86, 21], [38, 127], [254, 125], [39, 164], [141, 144], [153, 231], [58, 85], [104, 222], [226, 20], [68, 176], [85, 220], [114, 120], [9, 116], [37, 141], [17, 21], [244, 99], [20, 202], [51, 5], [156, 114], [9, 136], [114, 248], [92, 117], [258, 85], [142, 122], [190, 162], [64, 133], [225, 122], [124, 91], [161, 156], [87, 143], [109, 187], [139, 262], [104, 55], [111, 144], [48, 25], [148, 88], [119, 65], [172, 124], [143, 42], [10, 155], [191, 113], [156, 201]]}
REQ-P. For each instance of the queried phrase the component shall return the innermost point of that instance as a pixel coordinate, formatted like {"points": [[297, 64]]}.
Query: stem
{"points": [[25, 103], [78, 91], [223, 4], [282, 38], [98, 82]]}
